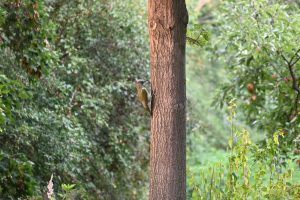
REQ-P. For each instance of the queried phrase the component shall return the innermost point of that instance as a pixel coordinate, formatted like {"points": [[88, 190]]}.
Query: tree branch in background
{"points": [[284, 58], [294, 56], [297, 59], [291, 63], [72, 100]]}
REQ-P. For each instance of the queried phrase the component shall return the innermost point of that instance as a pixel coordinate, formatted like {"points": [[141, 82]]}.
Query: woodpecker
{"points": [[142, 94]]}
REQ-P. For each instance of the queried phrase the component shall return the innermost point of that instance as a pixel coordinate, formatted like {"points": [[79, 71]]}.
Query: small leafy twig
{"points": [[297, 59], [73, 98]]}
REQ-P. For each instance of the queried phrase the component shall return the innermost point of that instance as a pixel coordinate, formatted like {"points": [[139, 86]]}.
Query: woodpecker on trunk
{"points": [[142, 94]]}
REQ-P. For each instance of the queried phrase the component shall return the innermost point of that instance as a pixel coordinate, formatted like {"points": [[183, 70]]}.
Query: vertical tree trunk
{"points": [[167, 26]]}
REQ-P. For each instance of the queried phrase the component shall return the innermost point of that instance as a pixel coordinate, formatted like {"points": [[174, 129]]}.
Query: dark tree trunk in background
{"points": [[167, 26]]}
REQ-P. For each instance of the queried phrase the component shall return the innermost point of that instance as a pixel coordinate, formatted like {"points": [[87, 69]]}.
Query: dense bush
{"points": [[251, 172], [68, 104]]}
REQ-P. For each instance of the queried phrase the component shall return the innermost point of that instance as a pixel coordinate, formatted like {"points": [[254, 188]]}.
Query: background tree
{"points": [[259, 47]]}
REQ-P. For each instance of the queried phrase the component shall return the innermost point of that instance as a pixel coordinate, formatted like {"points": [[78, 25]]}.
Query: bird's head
{"points": [[139, 82]]}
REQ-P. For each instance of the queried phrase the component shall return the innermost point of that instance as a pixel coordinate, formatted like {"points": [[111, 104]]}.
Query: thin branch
{"points": [[73, 98], [294, 110], [290, 67], [284, 58], [296, 103], [297, 59], [294, 78], [296, 54], [295, 86]]}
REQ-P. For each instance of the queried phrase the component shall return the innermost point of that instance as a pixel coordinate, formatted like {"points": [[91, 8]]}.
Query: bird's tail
{"points": [[148, 109]]}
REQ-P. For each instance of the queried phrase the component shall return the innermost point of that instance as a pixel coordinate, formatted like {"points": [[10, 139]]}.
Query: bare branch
{"points": [[295, 86], [294, 78], [297, 59], [73, 98], [296, 54], [294, 110], [284, 58]]}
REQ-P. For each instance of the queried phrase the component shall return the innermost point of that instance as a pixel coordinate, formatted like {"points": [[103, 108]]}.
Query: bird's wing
{"points": [[145, 95]]}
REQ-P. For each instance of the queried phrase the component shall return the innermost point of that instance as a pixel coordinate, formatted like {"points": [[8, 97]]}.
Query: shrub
{"points": [[251, 172]]}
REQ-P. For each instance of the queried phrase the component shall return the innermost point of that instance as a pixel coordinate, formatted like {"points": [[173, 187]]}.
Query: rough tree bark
{"points": [[167, 27]]}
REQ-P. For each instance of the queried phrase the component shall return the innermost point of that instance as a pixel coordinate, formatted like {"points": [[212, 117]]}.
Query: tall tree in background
{"points": [[167, 26]]}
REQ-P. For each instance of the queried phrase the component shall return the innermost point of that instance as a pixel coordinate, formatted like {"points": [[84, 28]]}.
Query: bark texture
{"points": [[167, 26]]}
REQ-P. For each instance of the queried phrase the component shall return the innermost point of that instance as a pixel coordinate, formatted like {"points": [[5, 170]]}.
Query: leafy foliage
{"points": [[196, 35], [251, 171], [258, 43], [67, 96], [16, 175]]}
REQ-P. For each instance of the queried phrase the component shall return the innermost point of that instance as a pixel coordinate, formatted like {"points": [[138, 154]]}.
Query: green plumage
{"points": [[142, 95]]}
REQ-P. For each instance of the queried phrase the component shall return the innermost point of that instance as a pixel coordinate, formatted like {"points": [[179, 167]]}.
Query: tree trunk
{"points": [[167, 26]]}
